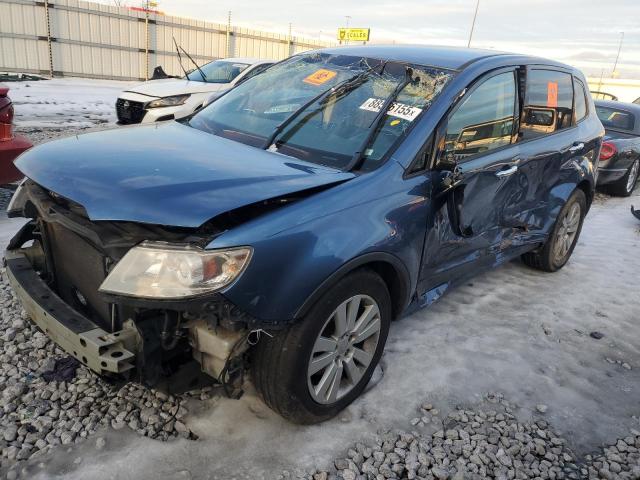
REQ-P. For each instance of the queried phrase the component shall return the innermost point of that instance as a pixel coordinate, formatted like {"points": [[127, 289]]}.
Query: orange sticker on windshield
{"points": [[552, 94], [320, 76]]}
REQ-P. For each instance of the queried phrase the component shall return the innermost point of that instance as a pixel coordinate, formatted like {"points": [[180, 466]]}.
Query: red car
{"points": [[10, 145]]}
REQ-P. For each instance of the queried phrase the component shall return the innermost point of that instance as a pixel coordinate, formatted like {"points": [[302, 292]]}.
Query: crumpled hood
{"points": [[175, 86], [169, 174]]}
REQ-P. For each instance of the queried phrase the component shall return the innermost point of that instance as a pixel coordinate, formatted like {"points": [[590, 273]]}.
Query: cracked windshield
{"points": [[326, 109]]}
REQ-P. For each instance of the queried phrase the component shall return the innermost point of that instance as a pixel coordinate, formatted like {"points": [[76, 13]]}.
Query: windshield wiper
{"points": [[358, 155], [180, 57], [343, 87], [204, 78]]}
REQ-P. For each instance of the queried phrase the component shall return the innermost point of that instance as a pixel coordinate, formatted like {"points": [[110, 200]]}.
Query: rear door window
{"points": [[580, 100], [484, 121], [615, 118], [548, 103]]}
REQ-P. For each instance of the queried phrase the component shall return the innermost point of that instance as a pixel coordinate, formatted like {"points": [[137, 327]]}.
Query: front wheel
{"points": [[553, 255], [318, 366]]}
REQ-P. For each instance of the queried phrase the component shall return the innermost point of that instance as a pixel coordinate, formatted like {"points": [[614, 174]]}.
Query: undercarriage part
{"points": [[219, 352], [171, 332], [212, 347], [101, 351]]}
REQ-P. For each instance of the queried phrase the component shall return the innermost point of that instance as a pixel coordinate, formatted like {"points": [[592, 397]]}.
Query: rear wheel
{"points": [[553, 255], [627, 184], [315, 368]]}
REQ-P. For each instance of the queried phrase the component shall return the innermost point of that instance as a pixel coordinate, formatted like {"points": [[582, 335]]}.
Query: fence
{"points": [[625, 89], [76, 38]]}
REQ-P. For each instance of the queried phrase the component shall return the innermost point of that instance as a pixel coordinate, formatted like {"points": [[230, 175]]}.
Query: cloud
{"points": [[585, 33]]}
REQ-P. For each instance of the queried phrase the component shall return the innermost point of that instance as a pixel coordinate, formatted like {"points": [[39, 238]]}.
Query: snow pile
{"points": [[65, 102]]}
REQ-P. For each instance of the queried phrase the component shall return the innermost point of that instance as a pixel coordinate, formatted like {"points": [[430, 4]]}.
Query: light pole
{"points": [[346, 40], [473, 24], [615, 64]]}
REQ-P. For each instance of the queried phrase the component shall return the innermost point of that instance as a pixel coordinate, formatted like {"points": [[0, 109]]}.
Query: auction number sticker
{"points": [[400, 110], [552, 94], [320, 76]]}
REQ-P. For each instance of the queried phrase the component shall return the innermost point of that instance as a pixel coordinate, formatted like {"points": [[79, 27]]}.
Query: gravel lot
{"points": [[568, 404]]}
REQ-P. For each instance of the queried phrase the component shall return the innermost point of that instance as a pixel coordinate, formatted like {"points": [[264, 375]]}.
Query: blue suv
{"points": [[280, 230]]}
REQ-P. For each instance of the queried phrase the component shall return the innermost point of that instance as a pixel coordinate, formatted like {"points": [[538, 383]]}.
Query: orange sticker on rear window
{"points": [[320, 76], [552, 94]]}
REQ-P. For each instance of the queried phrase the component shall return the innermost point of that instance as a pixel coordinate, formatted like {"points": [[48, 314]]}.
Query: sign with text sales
{"points": [[355, 34]]}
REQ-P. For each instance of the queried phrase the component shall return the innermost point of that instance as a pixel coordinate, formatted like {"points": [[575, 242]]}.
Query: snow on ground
{"points": [[513, 330], [65, 102]]}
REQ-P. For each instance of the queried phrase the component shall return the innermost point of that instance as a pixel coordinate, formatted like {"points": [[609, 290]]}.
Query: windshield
{"points": [[613, 118], [324, 125], [218, 71]]}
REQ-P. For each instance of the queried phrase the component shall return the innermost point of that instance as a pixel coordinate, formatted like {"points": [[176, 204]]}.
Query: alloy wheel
{"points": [[344, 349], [633, 176], [567, 232]]}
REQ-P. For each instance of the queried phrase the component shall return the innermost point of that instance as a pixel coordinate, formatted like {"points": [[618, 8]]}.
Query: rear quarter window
{"points": [[580, 100]]}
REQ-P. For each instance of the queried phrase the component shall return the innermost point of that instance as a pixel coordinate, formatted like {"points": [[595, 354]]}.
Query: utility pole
{"points": [[48, 20], [348, 18], [600, 83], [473, 24], [228, 34], [146, 42], [290, 41], [615, 64]]}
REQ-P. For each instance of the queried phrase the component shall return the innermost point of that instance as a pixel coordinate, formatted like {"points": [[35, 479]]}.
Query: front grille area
{"points": [[129, 111], [79, 269]]}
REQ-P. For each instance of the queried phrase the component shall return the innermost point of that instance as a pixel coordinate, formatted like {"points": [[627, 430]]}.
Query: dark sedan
{"points": [[620, 154]]}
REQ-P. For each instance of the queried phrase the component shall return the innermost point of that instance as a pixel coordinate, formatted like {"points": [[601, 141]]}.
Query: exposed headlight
{"points": [[172, 101], [160, 271]]}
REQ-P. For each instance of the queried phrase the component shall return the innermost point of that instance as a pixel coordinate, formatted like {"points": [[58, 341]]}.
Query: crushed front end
{"points": [[58, 263]]}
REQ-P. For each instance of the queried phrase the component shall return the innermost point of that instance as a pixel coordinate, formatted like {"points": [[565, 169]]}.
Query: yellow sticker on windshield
{"points": [[320, 76]]}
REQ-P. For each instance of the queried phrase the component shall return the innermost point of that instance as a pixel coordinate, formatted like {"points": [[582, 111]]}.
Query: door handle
{"points": [[576, 147], [507, 171]]}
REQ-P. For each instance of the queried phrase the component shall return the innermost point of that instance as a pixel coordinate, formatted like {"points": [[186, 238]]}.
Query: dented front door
{"points": [[474, 220]]}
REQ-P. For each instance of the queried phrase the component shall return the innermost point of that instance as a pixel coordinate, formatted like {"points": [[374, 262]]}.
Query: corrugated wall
{"points": [[103, 41]]}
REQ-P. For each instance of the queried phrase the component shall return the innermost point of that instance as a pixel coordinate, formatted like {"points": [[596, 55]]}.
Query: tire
{"points": [[281, 364], [553, 255], [627, 184]]}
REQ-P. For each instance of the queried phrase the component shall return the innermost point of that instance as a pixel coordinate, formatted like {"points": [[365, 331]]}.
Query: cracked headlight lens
{"points": [[166, 272], [168, 101]]}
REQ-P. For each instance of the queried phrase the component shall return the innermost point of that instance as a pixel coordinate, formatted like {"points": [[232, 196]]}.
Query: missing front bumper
{"points": [[101, 351]]}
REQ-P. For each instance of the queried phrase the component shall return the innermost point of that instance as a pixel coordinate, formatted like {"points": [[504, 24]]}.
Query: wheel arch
{"points": [[390, 268], [589, 191]]}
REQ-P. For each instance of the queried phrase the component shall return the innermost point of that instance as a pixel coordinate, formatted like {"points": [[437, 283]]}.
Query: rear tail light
{"points": [[6, 117], [607, 151]]}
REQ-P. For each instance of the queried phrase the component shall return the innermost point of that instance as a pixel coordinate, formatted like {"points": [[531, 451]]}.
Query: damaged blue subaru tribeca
{"points": [[280, 230]]}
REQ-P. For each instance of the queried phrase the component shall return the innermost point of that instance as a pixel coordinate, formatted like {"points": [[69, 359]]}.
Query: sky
{"points": [[584, 33]]}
